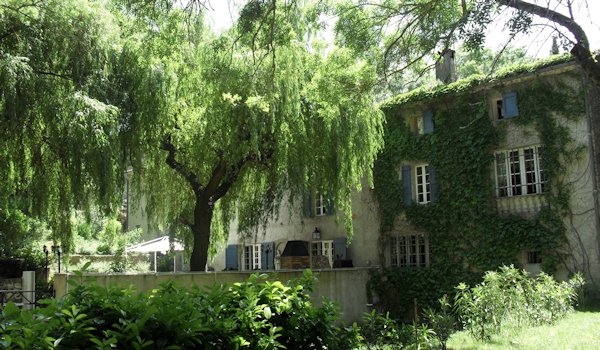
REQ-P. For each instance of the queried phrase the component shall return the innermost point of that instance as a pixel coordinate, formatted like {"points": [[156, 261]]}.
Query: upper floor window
{"points": [[422, 124], [320, 204], [506, 107], [519, 172], [409, 250], [422, 184], [317, 203], [420, 181]]}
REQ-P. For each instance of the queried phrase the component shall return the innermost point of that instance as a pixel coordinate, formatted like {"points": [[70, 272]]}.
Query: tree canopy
{"points": [[59, 132], [399, 34], [237, 124], [215, 127]]}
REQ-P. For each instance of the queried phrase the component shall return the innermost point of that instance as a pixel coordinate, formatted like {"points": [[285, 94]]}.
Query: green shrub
{"points": [[382, 332], [379, 331], [510, 296], [442, 321], [256, 314]]}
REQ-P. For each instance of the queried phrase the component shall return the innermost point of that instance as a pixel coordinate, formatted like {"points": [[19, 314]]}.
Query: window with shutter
{"points": [[507, 107]]}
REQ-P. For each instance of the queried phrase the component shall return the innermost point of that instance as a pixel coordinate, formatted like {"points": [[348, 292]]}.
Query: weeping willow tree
{"points": [[233, 126], [59, 132]]}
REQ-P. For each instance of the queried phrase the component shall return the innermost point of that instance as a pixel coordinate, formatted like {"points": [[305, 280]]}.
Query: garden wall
{"points": [[346, 286]]}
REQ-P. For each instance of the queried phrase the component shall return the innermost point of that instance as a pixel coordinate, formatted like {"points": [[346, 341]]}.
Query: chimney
{"points": [[445, 69]]}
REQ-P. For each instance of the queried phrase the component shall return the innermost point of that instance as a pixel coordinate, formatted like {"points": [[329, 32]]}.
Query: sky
{"points": [[537, 44]]}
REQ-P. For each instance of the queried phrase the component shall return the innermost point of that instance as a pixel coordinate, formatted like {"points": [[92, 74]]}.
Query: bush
{"points": [[381, 332], [442, 321], [256, 314], [510, 296]]}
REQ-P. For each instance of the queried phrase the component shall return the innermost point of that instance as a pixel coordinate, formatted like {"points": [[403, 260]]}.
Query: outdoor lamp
{"points": [[316, 234], [56, 250]]}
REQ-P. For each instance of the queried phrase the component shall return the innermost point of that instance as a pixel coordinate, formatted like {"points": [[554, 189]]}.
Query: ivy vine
{"points": [[466, 233]]}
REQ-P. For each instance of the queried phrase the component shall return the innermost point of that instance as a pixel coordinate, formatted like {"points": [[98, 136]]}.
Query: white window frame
{"points": [[322, 248], [422, 184], [518, 172], [320, 209], [252, 257], [409, 251]]}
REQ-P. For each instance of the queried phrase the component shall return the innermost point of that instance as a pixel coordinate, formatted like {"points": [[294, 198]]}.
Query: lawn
{"points": [[579, 330]]}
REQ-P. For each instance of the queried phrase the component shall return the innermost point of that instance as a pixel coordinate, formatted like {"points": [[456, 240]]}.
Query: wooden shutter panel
{"points": [[428, 122], [308, 205], [267, 256], [406, 185], [433, 184], [509, 105], [329, 205], [231, 257], [339, 248]]}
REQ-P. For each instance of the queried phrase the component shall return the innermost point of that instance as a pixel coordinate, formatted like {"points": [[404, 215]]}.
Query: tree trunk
{"points": [[203, 213]]}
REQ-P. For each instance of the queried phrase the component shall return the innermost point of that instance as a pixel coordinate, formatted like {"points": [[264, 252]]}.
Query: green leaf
{"points": [[267, 312]]}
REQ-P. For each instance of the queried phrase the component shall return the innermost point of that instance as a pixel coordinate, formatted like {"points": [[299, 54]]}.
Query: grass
{"points": [[579, 330]]}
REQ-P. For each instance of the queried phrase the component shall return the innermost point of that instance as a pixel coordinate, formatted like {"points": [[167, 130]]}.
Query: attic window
{"points": [[506, 107], [422, 124]]}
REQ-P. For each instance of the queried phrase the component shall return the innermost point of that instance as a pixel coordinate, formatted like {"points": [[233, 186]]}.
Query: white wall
{"points": [[346, 287]]}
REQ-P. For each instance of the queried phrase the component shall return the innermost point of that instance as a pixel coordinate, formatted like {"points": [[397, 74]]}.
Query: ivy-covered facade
{"points": [[485, 172], [479, 173]]}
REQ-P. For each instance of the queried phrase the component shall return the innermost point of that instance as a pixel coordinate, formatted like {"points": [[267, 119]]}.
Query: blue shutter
{"points": [[509, 105], [433, 184], [428, 122], [267, 255], [339, 248], [231, 257], [406, 185]]}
